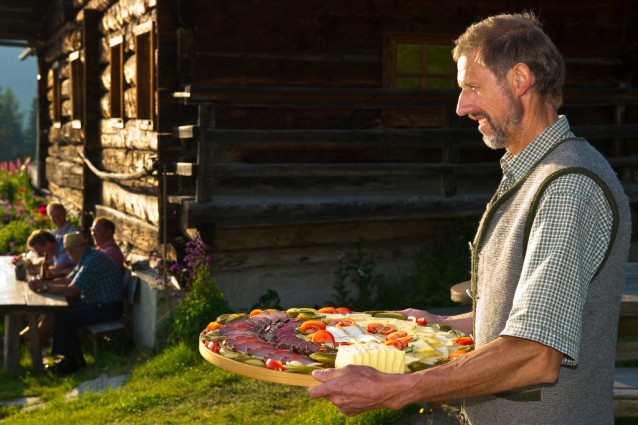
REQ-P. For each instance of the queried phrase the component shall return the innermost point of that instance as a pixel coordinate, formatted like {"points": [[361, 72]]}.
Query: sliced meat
{"points": [[278, 355], [261, 351]]}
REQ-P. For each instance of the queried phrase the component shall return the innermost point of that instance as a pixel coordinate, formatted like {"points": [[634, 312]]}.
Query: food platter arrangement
{"points": [[286, 346]]}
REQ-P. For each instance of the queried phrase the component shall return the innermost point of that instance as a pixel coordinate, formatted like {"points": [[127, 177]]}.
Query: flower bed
{"points": [[21, 211]]}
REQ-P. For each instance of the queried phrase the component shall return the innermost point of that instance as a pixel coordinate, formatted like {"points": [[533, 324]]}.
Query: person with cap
{"points": [[97, 283]]}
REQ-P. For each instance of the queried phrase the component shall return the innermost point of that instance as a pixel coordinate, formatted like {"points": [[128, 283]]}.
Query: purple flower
{"points": [[176, 295], [11, 244]]}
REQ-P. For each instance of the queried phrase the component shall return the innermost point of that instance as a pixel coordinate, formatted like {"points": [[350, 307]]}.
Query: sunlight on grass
{"points": [[177, 386]]}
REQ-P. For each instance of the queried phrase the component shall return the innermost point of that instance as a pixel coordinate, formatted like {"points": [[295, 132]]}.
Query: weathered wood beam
{"points": [[372, 98], [255, 212], [347, 170]]}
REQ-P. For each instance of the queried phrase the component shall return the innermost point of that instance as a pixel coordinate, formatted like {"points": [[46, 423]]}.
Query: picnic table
{"points": [[16, 302]]}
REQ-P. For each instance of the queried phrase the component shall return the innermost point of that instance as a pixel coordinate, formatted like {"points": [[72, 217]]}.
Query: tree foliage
{"points": [[17, 140]]}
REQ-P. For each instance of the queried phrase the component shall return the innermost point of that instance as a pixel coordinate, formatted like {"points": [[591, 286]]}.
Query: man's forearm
{"points": [[504, 364]]}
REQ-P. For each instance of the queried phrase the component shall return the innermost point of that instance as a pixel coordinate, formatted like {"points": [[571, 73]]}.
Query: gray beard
{"points": [[501, 134]]}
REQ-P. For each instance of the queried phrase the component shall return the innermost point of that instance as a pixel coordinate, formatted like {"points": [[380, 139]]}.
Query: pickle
{"points": [[417, 366], [230, 354], [439, 362], [294, 312], [389, 315], [253, 361], [310, 316], [457, 333], [373, 313], [233, 317], [326, 358], [439, 326], [298, 367], [221, 319], [213, 336]]}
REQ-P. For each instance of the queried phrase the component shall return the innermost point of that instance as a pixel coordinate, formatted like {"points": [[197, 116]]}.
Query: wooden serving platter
{"points": [[261, 373]]}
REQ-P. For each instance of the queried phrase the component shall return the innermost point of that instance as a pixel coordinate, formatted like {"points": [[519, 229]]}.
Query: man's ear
{"points": [[522, 79]]}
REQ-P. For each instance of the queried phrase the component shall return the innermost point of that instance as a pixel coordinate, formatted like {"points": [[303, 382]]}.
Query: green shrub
{"points": [[201, 303], [13, 237]]}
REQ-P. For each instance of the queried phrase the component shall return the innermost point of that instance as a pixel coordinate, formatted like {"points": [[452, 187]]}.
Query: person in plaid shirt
{"points": [[96, 284], [548, 260]]}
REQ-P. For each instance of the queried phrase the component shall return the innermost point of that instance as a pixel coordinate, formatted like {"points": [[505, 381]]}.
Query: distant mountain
{"points": [[21, 76]]}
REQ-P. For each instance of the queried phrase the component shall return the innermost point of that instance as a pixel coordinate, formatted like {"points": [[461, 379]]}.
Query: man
{"points": [[548, 259], [102, 231], [57, 214], [98, 284], [46, 245]]}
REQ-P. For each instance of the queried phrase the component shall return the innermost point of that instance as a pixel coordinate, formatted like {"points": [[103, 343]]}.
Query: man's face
{"points": [[100, 234], [58, 217], [488, 101], [47, 250]]}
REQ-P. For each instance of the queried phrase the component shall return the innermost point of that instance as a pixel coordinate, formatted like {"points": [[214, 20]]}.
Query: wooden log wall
{"points": [[271, 152], [122, 149], [130, 147]]}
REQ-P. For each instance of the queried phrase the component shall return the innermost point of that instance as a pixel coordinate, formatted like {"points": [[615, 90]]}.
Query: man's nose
{"points": [[464, 106]]}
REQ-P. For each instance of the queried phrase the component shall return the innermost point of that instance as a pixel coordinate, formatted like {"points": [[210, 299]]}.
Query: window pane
{"points": [[407, 83], [438, 83], [439, 59], [409, 58]]}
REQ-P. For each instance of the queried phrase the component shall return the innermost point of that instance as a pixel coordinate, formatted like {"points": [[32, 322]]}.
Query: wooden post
{"points": [[205, 119], [92, 185], [34, 342], [11, 349]]}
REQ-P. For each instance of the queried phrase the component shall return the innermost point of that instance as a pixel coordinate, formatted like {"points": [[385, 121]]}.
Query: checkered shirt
{"points": [[98, 278], [567, 243]]}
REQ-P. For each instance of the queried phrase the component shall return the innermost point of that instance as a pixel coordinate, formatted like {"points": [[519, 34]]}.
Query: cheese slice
{"points": [[381, 357]]}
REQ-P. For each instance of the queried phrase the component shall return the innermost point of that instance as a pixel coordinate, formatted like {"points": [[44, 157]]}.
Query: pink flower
{"points": [[42, 211]]}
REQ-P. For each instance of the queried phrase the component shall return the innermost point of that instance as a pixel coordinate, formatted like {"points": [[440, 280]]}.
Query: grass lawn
{"points": [[175, 386]]}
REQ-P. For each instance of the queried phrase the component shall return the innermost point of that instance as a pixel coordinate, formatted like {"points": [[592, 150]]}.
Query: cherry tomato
{"points": [[457, 353], [466, 340], [396, 344], [396, 335], [323, 337], [404, 340], [387, 329], [255, 312], [311, 326], [213, 346], [343, 310], [373, 328], [212, 326], [345, 322], [274, 365], [327, 310], [419, 321]]}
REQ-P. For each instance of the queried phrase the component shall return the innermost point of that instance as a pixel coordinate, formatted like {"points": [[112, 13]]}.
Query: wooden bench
{"points": [[626, 392], [99, 331]]}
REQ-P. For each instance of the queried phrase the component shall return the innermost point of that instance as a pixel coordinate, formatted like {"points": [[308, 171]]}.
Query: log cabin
{"points": [[281, 132]]}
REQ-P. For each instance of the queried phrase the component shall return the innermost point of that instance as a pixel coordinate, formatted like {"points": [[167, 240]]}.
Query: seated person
{"points": [[102, 231], [57, 214], [98, 283], [45, 245]]}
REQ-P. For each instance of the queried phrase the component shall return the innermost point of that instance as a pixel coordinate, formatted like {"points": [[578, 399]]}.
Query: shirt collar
{"points": [[107, 244], [516, 166]]}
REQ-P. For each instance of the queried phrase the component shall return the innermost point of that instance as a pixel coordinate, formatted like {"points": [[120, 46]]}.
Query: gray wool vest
{"points": [[583, 394]]}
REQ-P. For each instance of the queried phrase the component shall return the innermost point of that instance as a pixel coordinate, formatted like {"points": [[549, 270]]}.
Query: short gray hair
{"points": [[500, 42]]}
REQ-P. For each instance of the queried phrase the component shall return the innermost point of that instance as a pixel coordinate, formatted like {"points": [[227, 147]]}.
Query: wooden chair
{"points": [[99, 331]]}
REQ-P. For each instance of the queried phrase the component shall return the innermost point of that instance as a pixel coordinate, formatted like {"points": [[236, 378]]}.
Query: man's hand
{"points": [[36, 285], [357, 389]]}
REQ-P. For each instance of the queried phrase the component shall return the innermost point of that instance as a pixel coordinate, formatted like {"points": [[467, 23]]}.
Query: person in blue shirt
{"points": [[57, 214], [97, 283]]}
